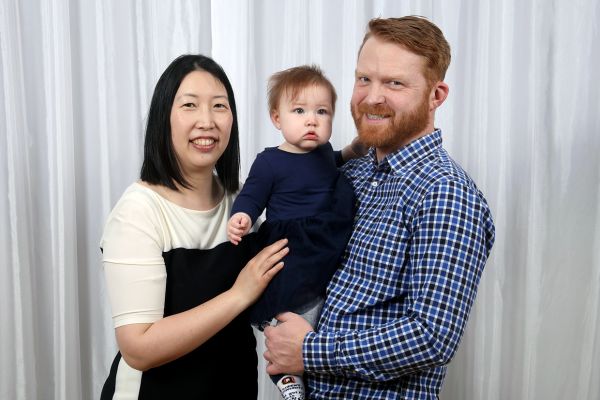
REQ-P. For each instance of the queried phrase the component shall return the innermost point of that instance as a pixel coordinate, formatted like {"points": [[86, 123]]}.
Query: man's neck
{"points": [[382, 152]]}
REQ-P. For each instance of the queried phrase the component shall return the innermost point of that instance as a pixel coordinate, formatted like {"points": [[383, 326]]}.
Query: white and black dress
{"points": [[161, 259]]}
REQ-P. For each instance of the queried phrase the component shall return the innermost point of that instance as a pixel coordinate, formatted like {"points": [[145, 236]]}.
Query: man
{"points": [[397, 307]]}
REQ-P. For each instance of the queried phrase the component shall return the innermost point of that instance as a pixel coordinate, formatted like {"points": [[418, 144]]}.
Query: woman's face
{"points": [[201, 121]]}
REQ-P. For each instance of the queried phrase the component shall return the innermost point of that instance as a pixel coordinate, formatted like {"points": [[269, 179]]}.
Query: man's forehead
{"points": [[378, 54]]}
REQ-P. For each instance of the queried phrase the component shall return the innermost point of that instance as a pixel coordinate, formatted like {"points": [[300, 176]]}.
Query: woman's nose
{"points": [[204, 119]]}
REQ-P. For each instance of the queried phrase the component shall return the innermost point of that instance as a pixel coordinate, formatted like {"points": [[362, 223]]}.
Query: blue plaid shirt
{"points": [[397, 307]]}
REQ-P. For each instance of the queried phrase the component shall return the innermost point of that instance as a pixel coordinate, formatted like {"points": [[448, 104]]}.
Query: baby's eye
{"points": [[298, 110], [322, 111]]}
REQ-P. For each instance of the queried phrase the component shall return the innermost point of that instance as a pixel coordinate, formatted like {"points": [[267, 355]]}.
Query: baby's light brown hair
{"points": [[293, 80]]}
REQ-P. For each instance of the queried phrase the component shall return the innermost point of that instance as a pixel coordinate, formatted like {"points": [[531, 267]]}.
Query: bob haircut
{"points": [[161, 166]]}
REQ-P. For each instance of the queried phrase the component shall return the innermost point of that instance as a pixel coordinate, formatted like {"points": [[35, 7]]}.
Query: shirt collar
{"points": [[409, 154]]}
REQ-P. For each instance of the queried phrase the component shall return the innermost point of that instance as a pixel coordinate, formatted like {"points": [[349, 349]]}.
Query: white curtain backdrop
{"points": [[523, 118]]}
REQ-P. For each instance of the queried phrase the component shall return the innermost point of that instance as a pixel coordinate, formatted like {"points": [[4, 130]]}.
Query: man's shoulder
{"points": [[439, 176], [440, 168]]}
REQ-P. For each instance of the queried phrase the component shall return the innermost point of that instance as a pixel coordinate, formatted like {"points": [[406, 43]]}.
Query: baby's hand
{"points": [[238, 226], [356, 149]]}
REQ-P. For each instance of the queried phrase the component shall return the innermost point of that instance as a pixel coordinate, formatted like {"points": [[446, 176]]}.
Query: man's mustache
{"points": [[378, 109]]}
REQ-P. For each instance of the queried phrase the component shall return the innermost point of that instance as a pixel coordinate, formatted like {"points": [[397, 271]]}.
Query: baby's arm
{"points": [[238, 226], [252, 199]]}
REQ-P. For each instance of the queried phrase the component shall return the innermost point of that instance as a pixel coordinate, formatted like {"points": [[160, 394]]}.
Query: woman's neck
{"points": [[204, 192]]}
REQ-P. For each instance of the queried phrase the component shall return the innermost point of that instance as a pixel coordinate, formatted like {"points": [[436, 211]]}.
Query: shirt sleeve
{"points": [[257, 189], [452, 235], [133, 264]]}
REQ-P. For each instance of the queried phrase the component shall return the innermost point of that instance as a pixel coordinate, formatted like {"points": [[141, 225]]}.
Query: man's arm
{"points": [[452, 237]]}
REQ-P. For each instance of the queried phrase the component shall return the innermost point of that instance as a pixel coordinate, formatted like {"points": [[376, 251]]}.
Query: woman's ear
{"points": [[275, 119]]}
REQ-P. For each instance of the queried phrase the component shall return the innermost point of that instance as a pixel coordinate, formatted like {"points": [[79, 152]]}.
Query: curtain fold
{"points": [[55, 198], [522, 117], [17, 362]]}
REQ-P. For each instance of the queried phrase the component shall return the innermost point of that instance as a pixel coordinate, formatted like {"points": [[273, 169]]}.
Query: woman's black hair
{"points": [[160, 165]]}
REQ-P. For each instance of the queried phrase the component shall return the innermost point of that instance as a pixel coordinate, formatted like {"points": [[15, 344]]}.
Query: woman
{"points": [[177, 299]]}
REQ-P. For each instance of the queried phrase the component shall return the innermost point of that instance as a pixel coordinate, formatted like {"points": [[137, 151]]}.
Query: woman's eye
{"points": [[189, 105], [221, 106], [298, 110]]}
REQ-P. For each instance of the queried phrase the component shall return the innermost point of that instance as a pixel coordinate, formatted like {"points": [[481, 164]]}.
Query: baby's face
{"points": [[305, 121]]}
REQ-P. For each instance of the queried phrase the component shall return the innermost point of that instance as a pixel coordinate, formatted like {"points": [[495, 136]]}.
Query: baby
{"points": [[307, 200]]}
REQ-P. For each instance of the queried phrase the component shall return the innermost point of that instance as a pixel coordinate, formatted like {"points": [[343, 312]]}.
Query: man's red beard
{"points": [[401, 129]]}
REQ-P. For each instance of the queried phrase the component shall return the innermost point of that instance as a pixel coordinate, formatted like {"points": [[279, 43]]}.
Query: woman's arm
{"points": [[145, 346]]}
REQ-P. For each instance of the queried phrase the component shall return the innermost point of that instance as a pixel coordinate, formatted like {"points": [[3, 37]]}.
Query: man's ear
{"points": [[438, 94], [275, 119]]}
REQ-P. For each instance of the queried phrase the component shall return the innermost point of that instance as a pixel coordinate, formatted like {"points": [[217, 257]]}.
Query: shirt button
{"points": [[374, 183]]}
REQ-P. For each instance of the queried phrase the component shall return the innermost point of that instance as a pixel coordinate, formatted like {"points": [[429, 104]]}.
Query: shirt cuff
{"points": [[320, 352]]}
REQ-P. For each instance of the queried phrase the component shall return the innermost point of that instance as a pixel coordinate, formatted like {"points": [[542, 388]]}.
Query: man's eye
{"points": [[363, 79]]}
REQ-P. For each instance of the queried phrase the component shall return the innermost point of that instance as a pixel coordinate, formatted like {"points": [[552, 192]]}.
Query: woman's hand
{"points": [[145, 346], [256, 275]]}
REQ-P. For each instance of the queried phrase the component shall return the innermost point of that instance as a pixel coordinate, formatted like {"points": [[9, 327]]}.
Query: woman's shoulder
{"points": [[134, 214], [138, 196], [143, 206]]}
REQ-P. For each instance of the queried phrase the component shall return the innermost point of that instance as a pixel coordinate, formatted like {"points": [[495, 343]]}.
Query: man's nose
{"points": [[375, 95]]}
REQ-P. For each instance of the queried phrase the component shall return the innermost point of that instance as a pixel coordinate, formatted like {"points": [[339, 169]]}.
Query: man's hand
{"points": [[284, 344]]}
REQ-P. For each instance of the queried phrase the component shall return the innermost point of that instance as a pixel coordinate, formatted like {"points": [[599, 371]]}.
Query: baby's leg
{"points": [[291, 387], [312, 311]]}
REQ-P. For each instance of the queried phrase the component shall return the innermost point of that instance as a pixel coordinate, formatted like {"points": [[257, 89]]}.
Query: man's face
{"points": [[392, 100]]}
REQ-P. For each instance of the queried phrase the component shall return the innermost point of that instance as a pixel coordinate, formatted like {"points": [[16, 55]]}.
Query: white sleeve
{"points": [[133, 264]]}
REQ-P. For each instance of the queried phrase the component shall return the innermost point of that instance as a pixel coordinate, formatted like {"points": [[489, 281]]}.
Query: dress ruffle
{"points": [[316, 245]]}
